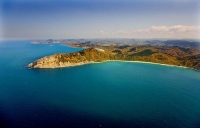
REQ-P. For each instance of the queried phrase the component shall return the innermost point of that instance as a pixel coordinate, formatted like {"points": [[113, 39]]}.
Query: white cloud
{"points": [[177, 31], [178, 28], [103, 32]]}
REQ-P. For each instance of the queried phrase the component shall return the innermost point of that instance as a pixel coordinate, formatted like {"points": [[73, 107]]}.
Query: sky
{"points": [[67, 19]]}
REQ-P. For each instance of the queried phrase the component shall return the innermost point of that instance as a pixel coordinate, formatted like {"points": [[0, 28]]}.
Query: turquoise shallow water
{"points": [[112, 94]]}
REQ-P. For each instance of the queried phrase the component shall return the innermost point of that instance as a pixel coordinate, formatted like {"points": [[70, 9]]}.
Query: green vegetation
{"points": [[132, 49], [117, 51], [146, 52]]}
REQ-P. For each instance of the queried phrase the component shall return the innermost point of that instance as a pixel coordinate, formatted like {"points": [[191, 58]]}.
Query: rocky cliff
{"points": [[71, 59]]}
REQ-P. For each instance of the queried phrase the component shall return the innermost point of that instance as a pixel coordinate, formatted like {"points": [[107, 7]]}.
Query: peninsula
{"points": [[170, 55]]}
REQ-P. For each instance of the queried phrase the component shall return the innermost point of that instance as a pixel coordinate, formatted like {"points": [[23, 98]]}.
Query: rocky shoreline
{"points": [[51, 62], [67, 60]]}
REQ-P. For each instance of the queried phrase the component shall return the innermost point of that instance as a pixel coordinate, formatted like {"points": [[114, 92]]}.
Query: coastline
{"points": [[140, 62], [151, 63], [93, 62], [65, 66]]}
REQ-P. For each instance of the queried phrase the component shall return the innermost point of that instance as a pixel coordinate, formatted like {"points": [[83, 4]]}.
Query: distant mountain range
{"points": [[149, 42]]}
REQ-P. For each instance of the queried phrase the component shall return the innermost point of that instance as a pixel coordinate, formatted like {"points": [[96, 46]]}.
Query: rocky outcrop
{"points": [[54, 62], [71, 59]]}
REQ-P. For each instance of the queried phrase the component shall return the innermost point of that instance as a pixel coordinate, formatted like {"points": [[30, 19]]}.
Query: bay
{"points": [[111, 94]]}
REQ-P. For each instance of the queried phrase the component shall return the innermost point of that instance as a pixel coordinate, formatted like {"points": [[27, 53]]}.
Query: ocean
{"points": [[110, 94]]}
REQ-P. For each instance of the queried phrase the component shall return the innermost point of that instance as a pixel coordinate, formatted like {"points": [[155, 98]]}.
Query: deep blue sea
{"points": [[111, 94]]}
